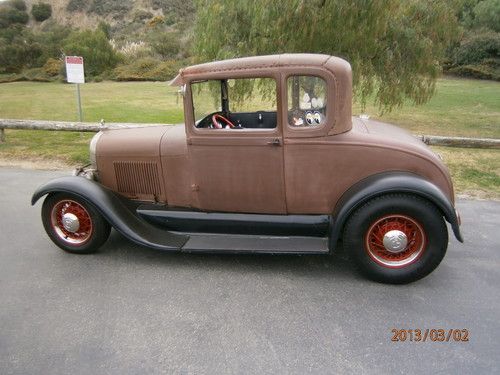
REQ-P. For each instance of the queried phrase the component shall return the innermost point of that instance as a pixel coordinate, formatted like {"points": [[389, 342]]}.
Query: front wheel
{"points": [[73, 224], [396, 238]]}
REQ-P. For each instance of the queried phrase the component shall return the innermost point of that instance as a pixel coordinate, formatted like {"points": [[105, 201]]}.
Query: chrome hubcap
{"points": [[395, 241], [70, 222]]}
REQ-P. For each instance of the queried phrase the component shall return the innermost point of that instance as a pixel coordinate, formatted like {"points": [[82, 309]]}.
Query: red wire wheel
{"points": [[395, 241], [71, 222]]}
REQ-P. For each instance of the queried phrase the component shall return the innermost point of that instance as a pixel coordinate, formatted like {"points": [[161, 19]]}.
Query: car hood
{"points": [[133, 142]]}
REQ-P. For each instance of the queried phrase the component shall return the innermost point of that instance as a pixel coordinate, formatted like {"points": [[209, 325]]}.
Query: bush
{"points": [[52, 39], [19, 51], [10, 16], [141, 15], [11, 77], [487, 14], [105, 28], [155, 21], [17, 4], [96, 50], [147, 69], [37, 75], [135, 50], [77, 5], [41, 11], [107, 7], [482, 71], [52, 67], [477, 48], [166, 44]]}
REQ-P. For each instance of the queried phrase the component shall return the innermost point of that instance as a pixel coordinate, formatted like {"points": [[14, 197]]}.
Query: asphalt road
{"points": [[132, 310]]}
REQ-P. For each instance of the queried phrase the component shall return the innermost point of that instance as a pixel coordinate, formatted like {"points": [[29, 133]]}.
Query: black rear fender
{"points": [[390, 183]]}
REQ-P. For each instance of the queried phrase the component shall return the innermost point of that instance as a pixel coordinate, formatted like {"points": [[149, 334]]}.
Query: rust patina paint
{"points": [[242, 171]]}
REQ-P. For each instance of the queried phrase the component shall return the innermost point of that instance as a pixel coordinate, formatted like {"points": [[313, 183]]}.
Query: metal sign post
{"points": [[79, 100], [75, 74]]}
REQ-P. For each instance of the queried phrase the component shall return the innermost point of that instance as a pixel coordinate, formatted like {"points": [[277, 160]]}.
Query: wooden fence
{"points": [[95, 127]]}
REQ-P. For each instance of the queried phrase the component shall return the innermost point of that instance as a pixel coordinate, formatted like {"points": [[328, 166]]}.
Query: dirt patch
{"points": [[31, 163], [478, 195]]}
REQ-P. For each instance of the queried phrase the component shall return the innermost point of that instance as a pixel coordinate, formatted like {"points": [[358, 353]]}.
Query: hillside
{"points": [[119, 40], [128, 20]]}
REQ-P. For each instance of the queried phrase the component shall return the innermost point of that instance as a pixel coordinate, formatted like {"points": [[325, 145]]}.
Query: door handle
{"points": [[274, 142]]}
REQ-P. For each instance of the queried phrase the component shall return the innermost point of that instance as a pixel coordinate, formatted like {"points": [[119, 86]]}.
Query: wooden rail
{"points": [[95, 127]]}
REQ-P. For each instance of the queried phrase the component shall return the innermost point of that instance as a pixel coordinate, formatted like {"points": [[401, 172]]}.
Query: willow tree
{"points": [[395, 47]]}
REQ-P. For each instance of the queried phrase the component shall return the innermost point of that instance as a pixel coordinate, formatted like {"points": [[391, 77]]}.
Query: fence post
{"points": [[2, 135]]}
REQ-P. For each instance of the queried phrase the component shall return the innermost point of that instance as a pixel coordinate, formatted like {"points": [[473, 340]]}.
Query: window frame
{"points": [[291, 131], [326, 103], [230, 132]]}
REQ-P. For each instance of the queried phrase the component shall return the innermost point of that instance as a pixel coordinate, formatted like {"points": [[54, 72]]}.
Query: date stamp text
{"points": [[430, 335]]}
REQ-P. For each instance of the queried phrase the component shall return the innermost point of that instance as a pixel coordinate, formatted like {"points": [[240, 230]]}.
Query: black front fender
{"points": [[113, 209], [387, 183]]}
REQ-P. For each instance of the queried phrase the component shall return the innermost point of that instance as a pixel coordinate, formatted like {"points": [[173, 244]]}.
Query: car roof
{"points": [[259, 66], [260, 63]]}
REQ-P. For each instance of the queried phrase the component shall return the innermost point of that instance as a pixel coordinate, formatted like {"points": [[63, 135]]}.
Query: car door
{"points": [[239, 169]]}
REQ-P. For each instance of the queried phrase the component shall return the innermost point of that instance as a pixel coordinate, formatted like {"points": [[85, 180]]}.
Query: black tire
{"points": [[92, 230], [426, 238]]}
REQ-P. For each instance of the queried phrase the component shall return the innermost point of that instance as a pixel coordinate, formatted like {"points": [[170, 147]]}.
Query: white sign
{"points": [[74, 69]]}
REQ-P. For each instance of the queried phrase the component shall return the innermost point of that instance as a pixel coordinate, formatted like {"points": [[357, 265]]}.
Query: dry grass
{"points": [[475, 172]]}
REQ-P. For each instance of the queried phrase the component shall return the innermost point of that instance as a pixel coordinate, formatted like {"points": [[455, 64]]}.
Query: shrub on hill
{"points": [[107, 7], [18, 50], [147, 69], [77, 5], [11, 16], [165, 44], [41, 11], [97, 52], [17, 4]]}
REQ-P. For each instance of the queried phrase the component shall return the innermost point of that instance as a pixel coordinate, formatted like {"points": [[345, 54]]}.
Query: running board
{"points": [[238, 243]]}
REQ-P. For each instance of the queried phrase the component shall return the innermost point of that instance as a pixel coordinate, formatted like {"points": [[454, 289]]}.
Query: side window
{"points": [[306, 101], [234, 104]]}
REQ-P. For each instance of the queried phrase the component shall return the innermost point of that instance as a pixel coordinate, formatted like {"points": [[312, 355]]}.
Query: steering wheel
{"points": [[218, 121]]}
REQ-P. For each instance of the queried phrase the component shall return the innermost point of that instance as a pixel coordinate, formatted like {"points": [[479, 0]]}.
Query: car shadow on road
{"points": [[120, 250]]}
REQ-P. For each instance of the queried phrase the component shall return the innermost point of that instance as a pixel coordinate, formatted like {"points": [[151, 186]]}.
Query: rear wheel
{"points": [[396, 238], [73, 224]]}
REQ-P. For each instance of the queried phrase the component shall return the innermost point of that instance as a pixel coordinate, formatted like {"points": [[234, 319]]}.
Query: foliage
{"points": [[37, 75], [17, 4], [479, 71], [41, 11], [147, 69], [105, 28], [107, 7], [394, 47], [77, 5], [155, 21], [18, 49], [165, 44], [97, 52], [487, 15], [133, 50], [478, 47], [52, 67], [10, 16], [51, 38], [179, 8], [477, 54], [141, 15]]}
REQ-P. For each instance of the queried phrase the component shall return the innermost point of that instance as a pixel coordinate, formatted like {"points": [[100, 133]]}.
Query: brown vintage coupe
{"points": [[269, 160]]}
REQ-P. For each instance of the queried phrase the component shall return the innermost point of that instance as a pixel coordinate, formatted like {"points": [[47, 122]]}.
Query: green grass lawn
{"points": [[460, 107], [153, 102]]}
